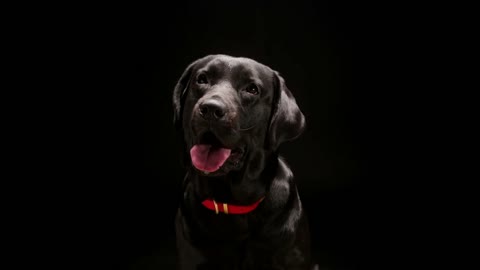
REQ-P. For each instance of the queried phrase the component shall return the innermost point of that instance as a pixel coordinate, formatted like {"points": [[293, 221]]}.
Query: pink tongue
{"points": [[208, 158]]}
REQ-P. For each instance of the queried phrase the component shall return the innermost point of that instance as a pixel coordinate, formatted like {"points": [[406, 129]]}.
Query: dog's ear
{"points": [[179, 94], [287, 120]]}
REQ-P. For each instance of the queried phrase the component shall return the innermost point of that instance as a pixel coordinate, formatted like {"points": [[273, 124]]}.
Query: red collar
{"points": [[230, 208]]}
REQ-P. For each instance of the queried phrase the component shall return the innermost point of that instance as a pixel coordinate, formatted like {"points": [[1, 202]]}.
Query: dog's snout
{"points": [[212, 109]]}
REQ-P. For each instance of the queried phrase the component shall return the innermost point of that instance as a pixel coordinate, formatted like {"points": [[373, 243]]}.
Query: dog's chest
{"points": [[225, 227]]}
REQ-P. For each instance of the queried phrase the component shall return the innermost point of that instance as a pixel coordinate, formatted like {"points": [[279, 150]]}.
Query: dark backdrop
{"points": [[340, 60]]}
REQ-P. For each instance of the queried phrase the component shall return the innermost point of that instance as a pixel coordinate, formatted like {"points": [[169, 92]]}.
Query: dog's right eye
{"points": [[202, 79]]}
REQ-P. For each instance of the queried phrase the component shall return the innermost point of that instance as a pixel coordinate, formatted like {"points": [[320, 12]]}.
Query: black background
{"points": [[345, 62]]}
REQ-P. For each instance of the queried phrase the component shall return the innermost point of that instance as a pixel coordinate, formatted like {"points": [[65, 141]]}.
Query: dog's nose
{"points": [[212, 109]]}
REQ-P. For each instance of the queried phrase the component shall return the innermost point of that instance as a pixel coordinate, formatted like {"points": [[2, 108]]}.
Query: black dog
{"points": [[240, 206]]}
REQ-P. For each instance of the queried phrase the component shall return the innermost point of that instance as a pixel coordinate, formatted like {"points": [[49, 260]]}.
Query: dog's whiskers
{"points": [[245, 129]]}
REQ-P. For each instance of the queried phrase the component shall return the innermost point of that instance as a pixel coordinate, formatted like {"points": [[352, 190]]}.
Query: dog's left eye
{"points": [[252, 89], [202, 79]]}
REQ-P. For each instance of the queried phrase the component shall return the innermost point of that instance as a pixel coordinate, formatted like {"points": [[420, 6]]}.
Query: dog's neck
{"points": [[238, 187]]}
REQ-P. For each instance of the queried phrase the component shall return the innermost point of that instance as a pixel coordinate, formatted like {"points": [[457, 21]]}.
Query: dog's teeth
{"points": [[206, 172]]}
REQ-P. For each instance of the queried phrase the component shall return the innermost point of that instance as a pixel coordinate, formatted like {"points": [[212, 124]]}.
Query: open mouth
{"points": [[210, 154]]}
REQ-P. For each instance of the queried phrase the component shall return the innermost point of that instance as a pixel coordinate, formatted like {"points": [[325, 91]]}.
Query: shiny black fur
{"points": [[253, 124]]}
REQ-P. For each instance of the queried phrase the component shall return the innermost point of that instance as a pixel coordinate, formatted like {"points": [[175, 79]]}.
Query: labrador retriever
{"points": [[240, 207]]}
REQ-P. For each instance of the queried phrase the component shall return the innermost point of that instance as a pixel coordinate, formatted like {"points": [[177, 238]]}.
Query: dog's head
{"points": [[227, 107]]}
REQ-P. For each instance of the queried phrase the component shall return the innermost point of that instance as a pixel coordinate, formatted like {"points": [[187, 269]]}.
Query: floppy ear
{"points": [[287, 121], [179, 94]]}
